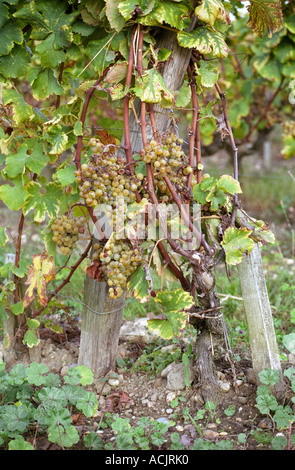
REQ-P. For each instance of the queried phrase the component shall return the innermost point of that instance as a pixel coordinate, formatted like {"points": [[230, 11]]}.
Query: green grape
{"points": [[66, 233]]}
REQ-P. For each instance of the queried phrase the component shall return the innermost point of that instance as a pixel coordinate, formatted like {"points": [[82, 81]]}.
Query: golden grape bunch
{"points": [[66, 233]]}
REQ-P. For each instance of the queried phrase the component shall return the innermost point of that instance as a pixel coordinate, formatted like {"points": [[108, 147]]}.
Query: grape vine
{"points": [[72, 74]]}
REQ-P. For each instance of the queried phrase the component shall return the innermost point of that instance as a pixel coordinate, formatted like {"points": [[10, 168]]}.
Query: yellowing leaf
{"points": [[204, 41], [236, 244], [151, 88], [41, 272], [211, 10], [265, 15]]}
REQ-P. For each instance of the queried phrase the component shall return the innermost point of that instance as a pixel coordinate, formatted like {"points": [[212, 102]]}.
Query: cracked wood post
{"points": [[263, 344], [100, 333]]}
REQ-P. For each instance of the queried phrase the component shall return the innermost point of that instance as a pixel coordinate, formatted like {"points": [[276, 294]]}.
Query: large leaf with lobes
{"points": [[236, 244], [204, 41], [43, 200], [211, 10], [41, 272], [151, 88], [174, 14], [265, 15], [13, 195], [49, 18]]}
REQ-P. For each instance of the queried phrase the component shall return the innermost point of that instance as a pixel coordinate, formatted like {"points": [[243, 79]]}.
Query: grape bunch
{"points": [[66, 233], [168, 159], [288, 129], [118, 260], [105, 178]]}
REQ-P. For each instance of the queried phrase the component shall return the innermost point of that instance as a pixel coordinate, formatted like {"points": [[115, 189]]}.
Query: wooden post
{"points": [[263, 344], [100, 330]]}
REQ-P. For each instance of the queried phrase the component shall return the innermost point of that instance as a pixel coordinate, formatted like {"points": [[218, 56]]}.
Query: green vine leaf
{"points": [[49, 19], [22, 111], [42, 200], [116, 19], [140, 285], [3, 236], [11, 33], [46, 84], [211, 10], [208, 74], [265, 15], [142, 7], [151, 88], [176, 15], [174, 304], [230, 185], [13, 196], [236, 244], [204, 41]]}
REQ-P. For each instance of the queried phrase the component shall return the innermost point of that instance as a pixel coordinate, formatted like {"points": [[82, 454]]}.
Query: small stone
{"points": [[211, 426], [114, 382], [169, 411], [211, 435], [158, 382], [225, 386], [179, 428], [242, 400], [170, 397], [223, 433], [239, 420]]}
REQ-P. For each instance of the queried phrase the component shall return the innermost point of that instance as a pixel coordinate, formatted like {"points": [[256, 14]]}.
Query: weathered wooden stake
{"points": [[100, 331], [263, 344]]}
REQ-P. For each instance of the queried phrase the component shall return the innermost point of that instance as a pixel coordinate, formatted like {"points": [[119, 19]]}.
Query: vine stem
{"points": [[88, 96], [233, 146], [77, 159], [62, 66], [150, 179], [192, 136], [126, 99], [17, 256], [67, 280]]}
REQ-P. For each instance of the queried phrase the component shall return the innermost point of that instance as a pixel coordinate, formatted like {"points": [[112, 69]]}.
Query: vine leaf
{"points": [[42, 200], [173, 301], [229, 184], [208, 74], [11, 34], [116, 20], [176, 15], [236, 244], [204, 41], [21, 110], [151, 88], [174, 304], [3, 236], [45, 84], [13, 196], [260, 230], [49, 19], [140, 7], [211, 10], [140, 285], [41, 272], [265, 15]]}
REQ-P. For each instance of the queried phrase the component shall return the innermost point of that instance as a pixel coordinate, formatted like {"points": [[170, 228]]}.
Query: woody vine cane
{"points": [[202, 267]]}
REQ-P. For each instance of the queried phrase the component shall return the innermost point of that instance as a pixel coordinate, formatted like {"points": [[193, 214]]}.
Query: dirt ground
{"points": [[134, 394]]}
